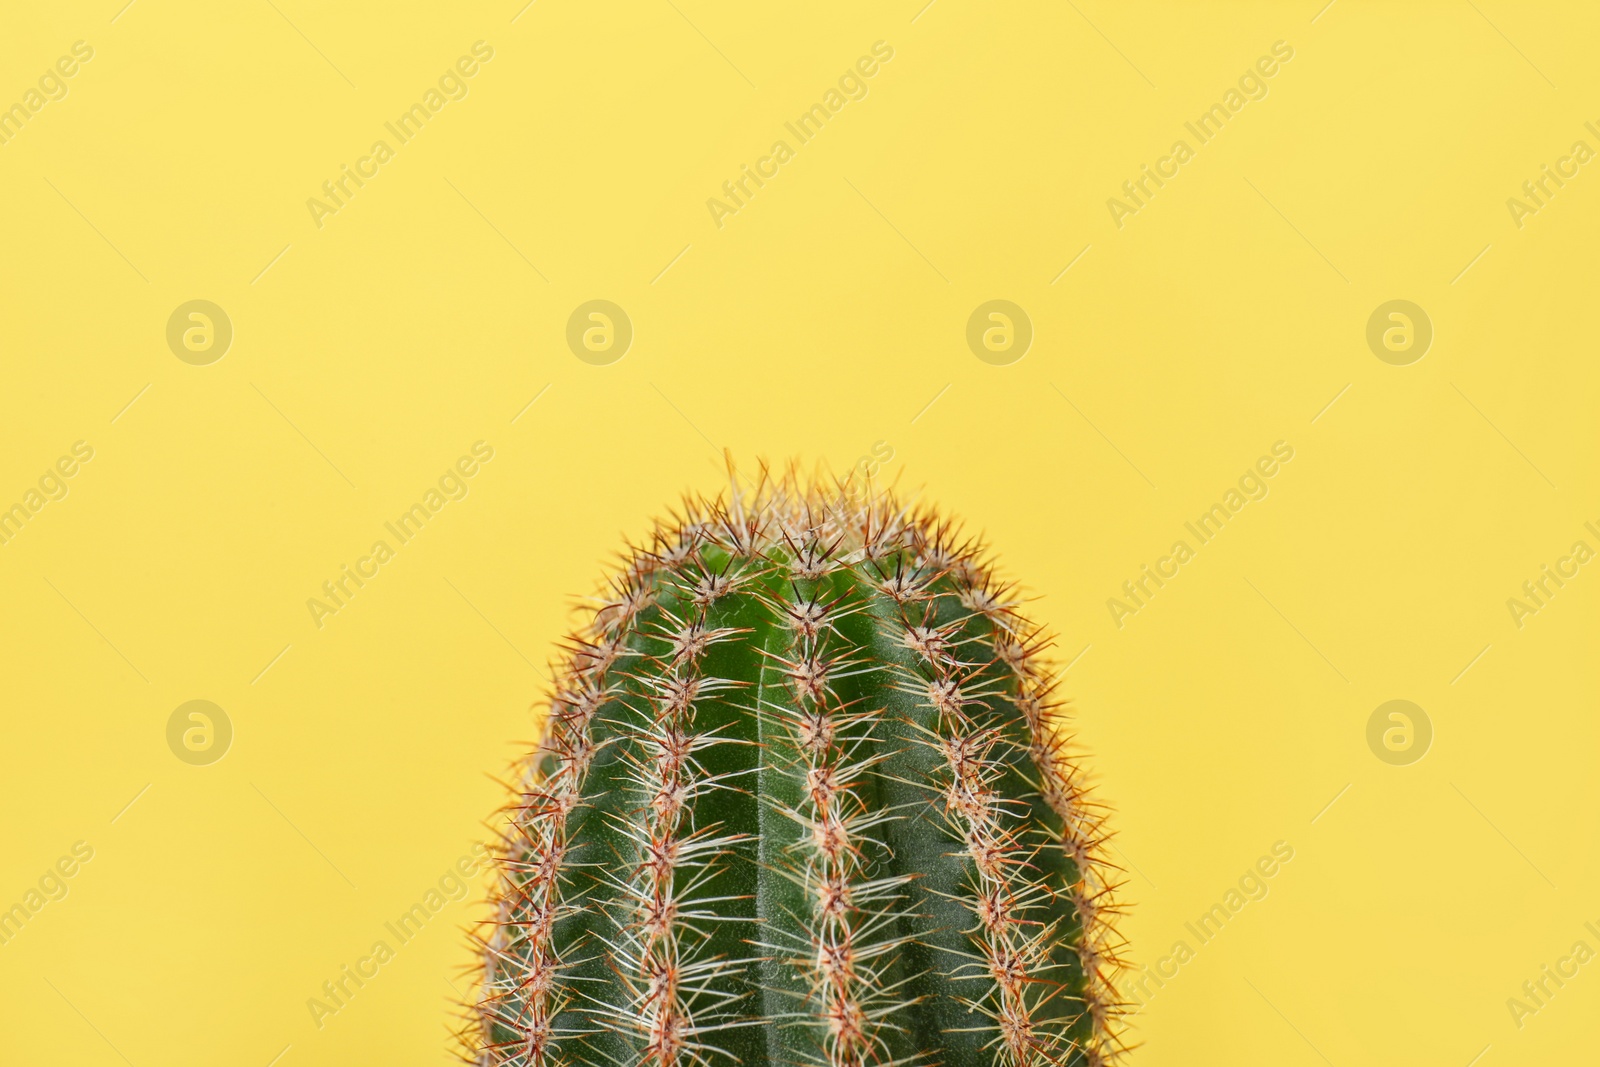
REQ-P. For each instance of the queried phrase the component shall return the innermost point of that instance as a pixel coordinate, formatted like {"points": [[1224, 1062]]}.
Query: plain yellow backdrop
{"points": [[825, 319]]}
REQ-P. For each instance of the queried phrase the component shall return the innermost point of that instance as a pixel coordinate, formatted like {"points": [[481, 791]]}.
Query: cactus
{"points": [[804, 797]]}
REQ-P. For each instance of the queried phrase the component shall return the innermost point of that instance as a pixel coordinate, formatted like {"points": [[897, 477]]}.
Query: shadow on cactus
{"points": [[805, 796]]}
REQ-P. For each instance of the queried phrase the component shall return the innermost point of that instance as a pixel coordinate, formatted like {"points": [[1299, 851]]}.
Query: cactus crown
{"points": [[804, 797]]}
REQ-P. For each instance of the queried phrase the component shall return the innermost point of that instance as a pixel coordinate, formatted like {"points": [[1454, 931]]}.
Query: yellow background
{"points": [[822, 318]]}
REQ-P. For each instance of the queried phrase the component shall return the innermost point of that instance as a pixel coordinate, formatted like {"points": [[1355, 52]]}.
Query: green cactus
{"points": [[804, 797]]}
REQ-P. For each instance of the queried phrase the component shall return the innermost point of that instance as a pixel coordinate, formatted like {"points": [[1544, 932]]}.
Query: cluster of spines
{"points": [[808, 532], [852, 917], [520, 961], [1020, 955], [1084, 839], [676, 992]]}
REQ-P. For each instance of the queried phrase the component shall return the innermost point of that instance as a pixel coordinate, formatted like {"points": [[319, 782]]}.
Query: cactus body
{"points": [[804, 797]]}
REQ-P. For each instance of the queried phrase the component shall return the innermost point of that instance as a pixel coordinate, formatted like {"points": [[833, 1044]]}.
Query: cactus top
{"points": [[805, 796]]}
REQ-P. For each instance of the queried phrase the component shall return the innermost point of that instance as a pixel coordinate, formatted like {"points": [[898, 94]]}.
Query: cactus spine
{"points": [[804, 797]]}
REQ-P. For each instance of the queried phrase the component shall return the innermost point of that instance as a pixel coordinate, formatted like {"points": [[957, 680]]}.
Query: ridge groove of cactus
{"points": [[805, 796]]}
